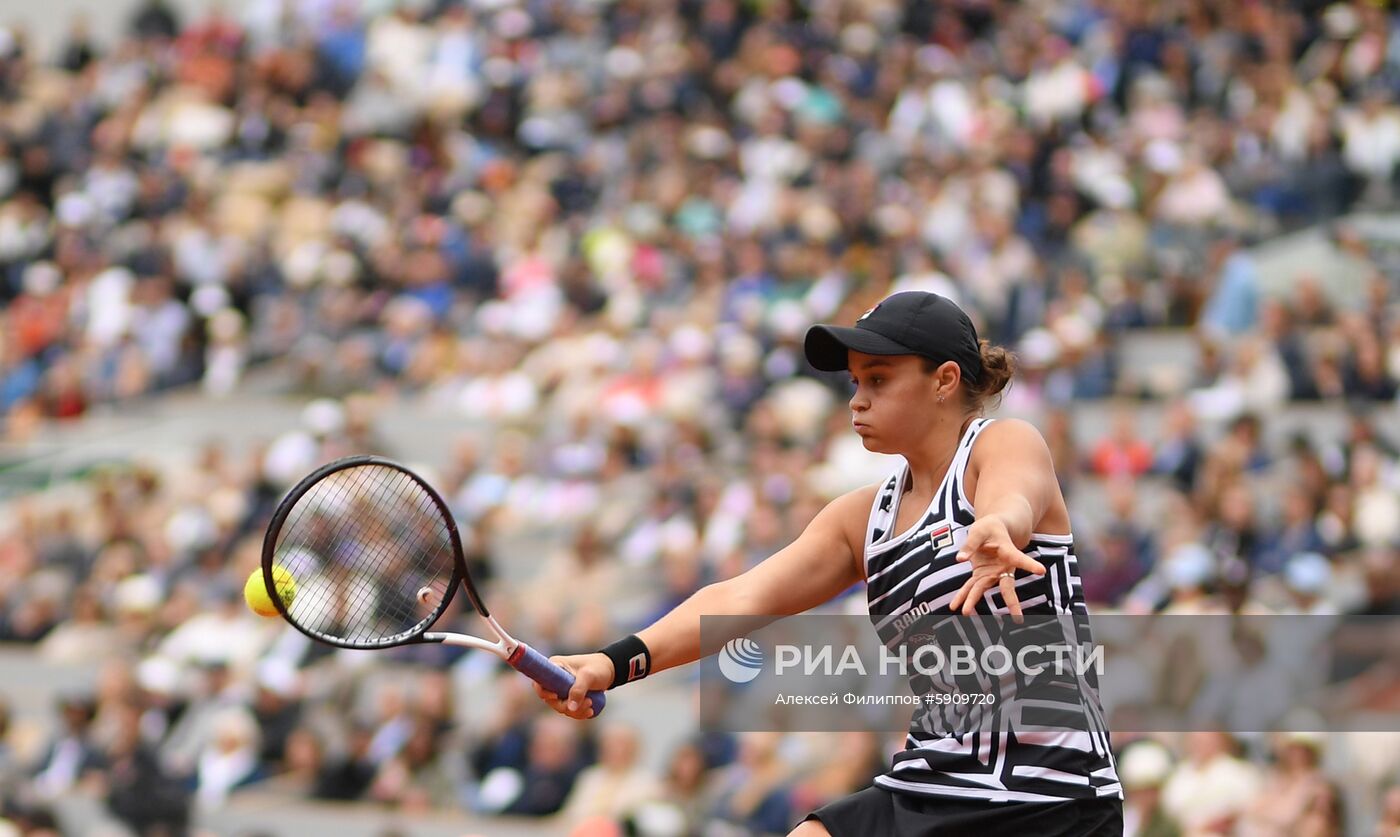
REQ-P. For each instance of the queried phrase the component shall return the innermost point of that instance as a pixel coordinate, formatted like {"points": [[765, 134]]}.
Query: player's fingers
{"points": [[1022, 561], [574, 699], [548, 696], [979, 585], [1008, 594], [976, 539], [578, 713], [553, 702], [962, 593], [578, 695]]}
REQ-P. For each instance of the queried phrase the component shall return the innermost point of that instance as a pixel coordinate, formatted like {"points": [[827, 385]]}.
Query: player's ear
{"points": [[946, 378]]}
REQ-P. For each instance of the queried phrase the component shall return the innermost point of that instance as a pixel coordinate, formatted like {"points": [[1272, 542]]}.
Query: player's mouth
{"points": [[859, 425]]}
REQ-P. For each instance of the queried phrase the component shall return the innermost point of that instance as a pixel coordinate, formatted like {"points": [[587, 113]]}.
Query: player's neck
{"points": [[929, 462]]}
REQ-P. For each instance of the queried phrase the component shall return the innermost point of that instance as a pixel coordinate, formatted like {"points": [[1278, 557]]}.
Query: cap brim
{"points": [[826, 346]]}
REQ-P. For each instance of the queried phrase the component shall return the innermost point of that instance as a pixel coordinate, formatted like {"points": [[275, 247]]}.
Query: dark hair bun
{"points": [[998, 365]]}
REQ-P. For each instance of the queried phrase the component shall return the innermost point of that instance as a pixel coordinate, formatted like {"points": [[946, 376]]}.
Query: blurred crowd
{"points": [[423, 195], [597, 231]]}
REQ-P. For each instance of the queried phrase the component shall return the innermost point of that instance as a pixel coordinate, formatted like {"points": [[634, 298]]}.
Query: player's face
{"points": [[893, 404]]}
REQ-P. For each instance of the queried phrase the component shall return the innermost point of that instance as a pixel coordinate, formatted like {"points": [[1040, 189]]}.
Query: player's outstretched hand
{"points": [[995, 561], [590, 671]]}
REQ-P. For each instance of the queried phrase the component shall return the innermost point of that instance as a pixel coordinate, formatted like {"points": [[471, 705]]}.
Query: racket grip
{"points": [[538, 668]]}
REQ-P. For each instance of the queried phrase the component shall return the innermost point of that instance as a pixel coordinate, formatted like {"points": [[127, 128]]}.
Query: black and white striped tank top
{"points": [[949, 752]]}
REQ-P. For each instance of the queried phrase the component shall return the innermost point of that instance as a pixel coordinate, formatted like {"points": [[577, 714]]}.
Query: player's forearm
{"points": [[675, 639], [805, 573]]}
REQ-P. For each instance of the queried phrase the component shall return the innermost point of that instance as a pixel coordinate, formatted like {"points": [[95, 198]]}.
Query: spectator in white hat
{"points": [[1144, 768]]}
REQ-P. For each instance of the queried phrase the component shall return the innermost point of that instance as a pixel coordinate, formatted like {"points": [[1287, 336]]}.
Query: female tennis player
{"points": [[923, 380]]}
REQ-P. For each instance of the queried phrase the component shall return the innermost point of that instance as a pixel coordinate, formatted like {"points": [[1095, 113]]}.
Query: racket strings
{"points": [[372, 537], [332, 595], [361, 543]]}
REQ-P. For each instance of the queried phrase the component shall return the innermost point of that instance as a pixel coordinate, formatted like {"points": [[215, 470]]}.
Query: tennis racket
{"points": [[376, 559]]}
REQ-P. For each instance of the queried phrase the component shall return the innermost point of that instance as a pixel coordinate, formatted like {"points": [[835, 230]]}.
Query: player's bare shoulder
{"points": [[1013, 430], [1012, 438]]}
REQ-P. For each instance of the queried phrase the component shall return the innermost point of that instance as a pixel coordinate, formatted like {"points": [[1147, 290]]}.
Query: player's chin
{"points": [[873, 444]]}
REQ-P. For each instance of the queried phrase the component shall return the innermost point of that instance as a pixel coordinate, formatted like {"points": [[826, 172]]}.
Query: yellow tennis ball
{"points": [[255, 592]]}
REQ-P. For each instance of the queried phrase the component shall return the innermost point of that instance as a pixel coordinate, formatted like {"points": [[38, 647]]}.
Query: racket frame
{"points": [[517, 654]]}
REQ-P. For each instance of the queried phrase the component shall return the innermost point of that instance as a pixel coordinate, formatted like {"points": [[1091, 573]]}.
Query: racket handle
{"points": [[558, 680]]}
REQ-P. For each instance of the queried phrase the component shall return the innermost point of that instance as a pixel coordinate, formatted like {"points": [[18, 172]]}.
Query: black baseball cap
{"points": [[906, 323]]}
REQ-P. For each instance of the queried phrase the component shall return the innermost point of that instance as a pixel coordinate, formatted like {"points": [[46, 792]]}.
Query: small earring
{"points": [[940, 399]]}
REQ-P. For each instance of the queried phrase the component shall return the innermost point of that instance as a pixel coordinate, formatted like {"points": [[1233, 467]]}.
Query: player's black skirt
{"points": [[876, 811]]}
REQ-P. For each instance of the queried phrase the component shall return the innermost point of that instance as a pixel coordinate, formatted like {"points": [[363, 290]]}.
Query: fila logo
{"points": [[868, 313], [637, 667], [942, 537]]}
